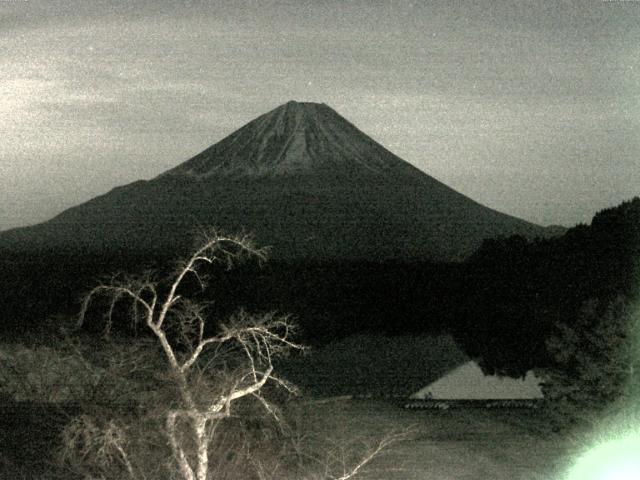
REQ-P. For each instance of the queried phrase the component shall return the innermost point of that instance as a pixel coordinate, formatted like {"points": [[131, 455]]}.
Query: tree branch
{"points": [[243, 392]]}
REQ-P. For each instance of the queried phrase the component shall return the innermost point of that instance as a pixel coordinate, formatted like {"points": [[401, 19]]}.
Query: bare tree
{"points": [[240, 353], [180, 327]]}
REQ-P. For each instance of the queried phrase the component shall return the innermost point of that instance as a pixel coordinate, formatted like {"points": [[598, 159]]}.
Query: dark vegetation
{"points": [[509, 285], [567, 307], [329, 299], [519, 292], [504, 304]]}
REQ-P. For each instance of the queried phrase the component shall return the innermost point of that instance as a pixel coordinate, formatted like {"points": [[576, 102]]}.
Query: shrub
{"points": [[44, 374], [595, 361]]}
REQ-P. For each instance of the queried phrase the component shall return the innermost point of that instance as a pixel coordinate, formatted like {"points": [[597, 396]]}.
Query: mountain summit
{"points": [[294, 139], [302, 179]]}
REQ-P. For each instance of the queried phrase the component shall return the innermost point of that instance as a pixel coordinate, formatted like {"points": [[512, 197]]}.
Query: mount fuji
{"points": [[303, 180]]}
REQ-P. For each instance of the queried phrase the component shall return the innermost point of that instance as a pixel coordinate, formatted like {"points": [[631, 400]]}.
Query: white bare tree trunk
{"points": [[202, 442]]}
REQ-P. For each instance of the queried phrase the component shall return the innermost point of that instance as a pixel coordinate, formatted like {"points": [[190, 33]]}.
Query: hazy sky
{"points": [[532, 108]]}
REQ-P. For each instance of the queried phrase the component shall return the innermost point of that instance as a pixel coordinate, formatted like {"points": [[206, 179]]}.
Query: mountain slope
{"points": [[304, 180]]}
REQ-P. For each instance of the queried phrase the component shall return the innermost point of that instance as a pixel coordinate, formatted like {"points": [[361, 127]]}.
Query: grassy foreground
{"points": [[456, 444]]}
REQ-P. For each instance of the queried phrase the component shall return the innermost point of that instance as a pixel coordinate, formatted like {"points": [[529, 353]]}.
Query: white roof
{"points": [[467, 382]]}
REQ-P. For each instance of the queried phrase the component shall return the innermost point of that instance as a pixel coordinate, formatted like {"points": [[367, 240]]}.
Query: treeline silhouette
{"points": [[501, 304], [517, 291], [328, 299]]}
